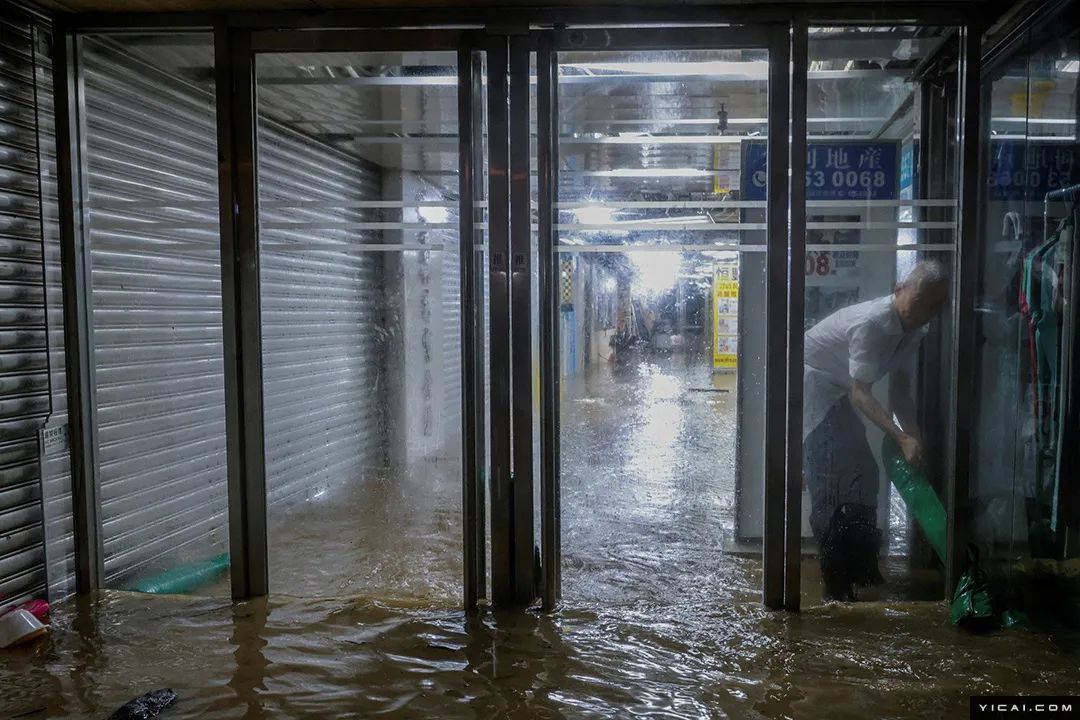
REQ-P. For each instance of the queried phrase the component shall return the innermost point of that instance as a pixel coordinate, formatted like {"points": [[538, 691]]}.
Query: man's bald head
{"points": [[922, 294]]}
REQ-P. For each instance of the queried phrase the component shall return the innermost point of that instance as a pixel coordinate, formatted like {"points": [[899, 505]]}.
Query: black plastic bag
{"points": [[145, 707]]}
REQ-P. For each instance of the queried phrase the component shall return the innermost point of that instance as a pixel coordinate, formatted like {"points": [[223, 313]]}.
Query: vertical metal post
{"points": [[471, 344], [78, 329], [501, 488], [796, 317], [929, 183], [240, 308], [521, 322], [555, 445], [776, 319], [479, 315], [963, 401], [546, 173], [922, 151]]}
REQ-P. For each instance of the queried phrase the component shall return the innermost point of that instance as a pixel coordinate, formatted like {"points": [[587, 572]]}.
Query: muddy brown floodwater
{"points": [[660, 617], [291, 658]]}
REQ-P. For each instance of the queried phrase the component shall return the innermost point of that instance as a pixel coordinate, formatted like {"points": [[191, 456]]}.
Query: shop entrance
{"points": [[653, 243], [487, 297]]}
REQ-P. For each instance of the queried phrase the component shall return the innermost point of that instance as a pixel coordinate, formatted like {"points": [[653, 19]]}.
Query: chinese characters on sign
{"points": [[725, 315], [834, 171], [1028, 170]]}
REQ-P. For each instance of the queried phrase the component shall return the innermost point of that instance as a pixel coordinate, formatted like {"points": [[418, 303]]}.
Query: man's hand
{"points": [[912, 449]]}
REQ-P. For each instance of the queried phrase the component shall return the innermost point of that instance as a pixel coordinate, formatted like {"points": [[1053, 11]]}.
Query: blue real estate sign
{"points": [[834, 171], [1027, 170], [907, 171]]}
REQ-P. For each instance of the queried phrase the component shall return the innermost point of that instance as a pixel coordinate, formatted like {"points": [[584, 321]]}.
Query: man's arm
{"points": [[862, 397], [902, 404]]}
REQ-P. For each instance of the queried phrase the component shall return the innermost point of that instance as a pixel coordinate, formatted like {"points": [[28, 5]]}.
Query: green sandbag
{"points": [[921, 500], [184, 579], [972, 604]]}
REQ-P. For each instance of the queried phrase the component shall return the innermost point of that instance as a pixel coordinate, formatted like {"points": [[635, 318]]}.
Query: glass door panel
{"points": [[659, 285], [361, 274], [881, 212]]}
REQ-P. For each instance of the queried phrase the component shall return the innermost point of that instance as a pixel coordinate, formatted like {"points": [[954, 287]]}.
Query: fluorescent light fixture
{"points": [[656, 271], [434, 215], [755, 68], [654, 172], [721, 254], [711, 121], [680, 220], [1035, 138], [595, 215], [1034, 121]]}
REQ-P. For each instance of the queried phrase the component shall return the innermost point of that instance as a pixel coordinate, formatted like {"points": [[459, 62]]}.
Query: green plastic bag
{"points": [[972, 604], [186, 578], [921, 500]]}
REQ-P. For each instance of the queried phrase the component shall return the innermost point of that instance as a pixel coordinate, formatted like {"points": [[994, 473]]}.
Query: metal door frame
{"points": [[236, 87], [775, 39], [235, 33]]}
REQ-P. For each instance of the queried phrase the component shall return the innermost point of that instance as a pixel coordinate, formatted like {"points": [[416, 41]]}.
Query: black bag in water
{"points": [[145, 707], [973, 605]]}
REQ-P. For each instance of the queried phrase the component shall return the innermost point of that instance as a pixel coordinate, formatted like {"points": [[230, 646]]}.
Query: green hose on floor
{"points": [[184, 579], [921, 500]]}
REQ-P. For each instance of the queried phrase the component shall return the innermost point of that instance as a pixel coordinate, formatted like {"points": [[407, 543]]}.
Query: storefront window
{"points": [[1024, 497]]}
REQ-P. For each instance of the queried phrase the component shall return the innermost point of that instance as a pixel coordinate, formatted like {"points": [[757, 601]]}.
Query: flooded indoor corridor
{"points": [[648, 486], [497, 361]]}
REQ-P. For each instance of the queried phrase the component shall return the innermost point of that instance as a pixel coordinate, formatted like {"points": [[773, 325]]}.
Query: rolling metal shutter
{"points": [[24, 350], [450, 355], [152, 223], [320, 313], [153, 228]]}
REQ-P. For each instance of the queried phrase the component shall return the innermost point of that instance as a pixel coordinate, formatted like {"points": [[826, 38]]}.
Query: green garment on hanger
{"points": [[1042, 285]]}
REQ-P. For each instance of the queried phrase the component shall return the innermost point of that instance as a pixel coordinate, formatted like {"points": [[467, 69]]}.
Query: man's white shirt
{"points": [[865, 342]]}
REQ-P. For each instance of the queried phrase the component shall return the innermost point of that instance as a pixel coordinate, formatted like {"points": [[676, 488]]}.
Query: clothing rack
{"points": [[1067, 458]]}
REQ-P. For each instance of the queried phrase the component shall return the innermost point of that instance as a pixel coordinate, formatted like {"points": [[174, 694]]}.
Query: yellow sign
{"points": [[725, 297]]}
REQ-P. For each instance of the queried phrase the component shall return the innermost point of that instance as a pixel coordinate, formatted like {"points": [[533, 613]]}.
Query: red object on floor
{"points": [[37, 608]]}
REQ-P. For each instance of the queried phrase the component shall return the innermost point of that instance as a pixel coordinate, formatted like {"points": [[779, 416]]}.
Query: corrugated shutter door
{"points": [[24, 378], [157, 311], [156, 298], [451, 352], [319, 312]]}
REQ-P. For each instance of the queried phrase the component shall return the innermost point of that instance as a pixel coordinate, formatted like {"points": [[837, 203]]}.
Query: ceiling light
{"points": [[755, 68], [594, 215], [434, 215]]}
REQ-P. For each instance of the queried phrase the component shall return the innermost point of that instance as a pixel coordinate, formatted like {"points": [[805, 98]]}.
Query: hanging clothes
{"points": [[1047, 319], [1062, 286], [1040, 303], [1041, 296]]}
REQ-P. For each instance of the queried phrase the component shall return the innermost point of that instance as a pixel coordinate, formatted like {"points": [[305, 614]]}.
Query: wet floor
{"points": [[648, 486], [353, 658], [658, 620]]}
